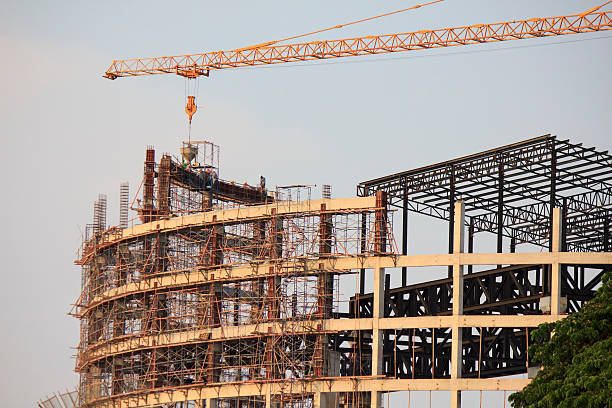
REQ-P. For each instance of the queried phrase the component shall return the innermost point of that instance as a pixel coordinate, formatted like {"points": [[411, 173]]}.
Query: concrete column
{"points": [[458, 246], [318, 400], [456, 350], [324, 400], [555, 284], [269, 402], [377, 334]]}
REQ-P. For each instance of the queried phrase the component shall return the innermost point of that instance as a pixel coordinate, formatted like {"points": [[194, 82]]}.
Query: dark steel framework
{"points": [[509, 191], [517, 184], [512, 290]]}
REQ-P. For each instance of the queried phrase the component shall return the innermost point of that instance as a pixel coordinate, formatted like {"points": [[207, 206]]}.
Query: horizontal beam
{"points": [[226, 333], [196, 277], [232, 215], [334, 384], [492, 154]]}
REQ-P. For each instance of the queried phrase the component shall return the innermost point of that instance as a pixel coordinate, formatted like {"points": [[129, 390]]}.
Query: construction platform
{"points": [[227, 295]]}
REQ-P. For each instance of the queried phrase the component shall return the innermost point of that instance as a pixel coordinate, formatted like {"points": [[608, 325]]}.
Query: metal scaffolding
{"points": [[228, 295]]}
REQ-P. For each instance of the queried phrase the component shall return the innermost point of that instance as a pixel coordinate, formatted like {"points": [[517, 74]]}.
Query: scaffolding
{"points": [[124, 204], [229, 295], [68, 399], [129, 330]]}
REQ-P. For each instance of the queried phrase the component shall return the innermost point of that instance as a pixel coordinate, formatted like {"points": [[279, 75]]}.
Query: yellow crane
{"points": [[195, 65]]}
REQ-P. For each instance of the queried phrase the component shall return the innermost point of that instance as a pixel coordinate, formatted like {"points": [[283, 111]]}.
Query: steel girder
{"points": [[521, 182]]}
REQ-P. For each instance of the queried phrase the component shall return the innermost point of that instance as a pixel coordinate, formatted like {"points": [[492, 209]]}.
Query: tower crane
{"points": [[196, 65]]}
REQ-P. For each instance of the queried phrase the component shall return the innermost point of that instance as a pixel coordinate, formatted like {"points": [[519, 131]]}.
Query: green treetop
{"points": [[575, 355]]}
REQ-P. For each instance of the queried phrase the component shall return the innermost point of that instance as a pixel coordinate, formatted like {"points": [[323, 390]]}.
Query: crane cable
{"points": [[594, 9], [252, 47]]}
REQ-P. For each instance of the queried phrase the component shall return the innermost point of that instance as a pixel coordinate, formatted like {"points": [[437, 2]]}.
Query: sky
{"points": [[68, 134]]}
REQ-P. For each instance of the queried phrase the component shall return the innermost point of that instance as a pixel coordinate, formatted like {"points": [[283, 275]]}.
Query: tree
{"points": [[576, 358]]}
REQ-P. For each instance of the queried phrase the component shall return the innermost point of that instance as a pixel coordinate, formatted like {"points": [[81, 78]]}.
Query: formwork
{"points": [[230, 295]]}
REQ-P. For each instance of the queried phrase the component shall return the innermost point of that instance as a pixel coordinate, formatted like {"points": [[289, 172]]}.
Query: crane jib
{"points": [[195, 65]]}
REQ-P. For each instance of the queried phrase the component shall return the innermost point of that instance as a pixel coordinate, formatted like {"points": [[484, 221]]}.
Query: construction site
{"points": [[215, 293], [229, 295]]}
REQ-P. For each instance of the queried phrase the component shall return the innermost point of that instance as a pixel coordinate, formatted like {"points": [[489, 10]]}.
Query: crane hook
{"points": [[190, 108]]}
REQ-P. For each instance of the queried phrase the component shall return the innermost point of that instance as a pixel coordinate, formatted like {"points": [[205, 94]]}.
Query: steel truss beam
{"points": [[195, 65], [537, 174]]}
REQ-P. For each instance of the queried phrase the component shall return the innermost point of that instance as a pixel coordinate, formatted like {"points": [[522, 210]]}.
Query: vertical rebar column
{"points": [[276, 252], [99, 217], [96, 217], [94, 224], [149, 186], [324, 291], [257, 285], [102, 219], [151, 302], [380, 223], [119, 324], [273, 284], [276, 236], [147, 209], [326, 281], [325, 233], [363, 249], [215, 258], [163, 186], [326, 191], [95, 319], [124, 201], [273, 305]]}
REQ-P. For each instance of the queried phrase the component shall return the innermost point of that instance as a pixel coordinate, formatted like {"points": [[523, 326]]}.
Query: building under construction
{"points": [[231, 295]]}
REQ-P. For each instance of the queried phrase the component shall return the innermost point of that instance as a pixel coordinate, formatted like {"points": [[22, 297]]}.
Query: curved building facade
{"points": [[226, 295]]}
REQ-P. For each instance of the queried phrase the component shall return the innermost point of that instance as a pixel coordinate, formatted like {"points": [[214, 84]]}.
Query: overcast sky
{"points": [[68, 134]]}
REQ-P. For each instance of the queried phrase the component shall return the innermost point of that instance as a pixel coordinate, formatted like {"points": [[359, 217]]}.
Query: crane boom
{"points": [[193, 65]]}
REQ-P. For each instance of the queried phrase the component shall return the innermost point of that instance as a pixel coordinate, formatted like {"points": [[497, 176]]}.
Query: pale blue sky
{"points": [[68, 134]]}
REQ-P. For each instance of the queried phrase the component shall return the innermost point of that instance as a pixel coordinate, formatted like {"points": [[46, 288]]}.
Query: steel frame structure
{"points": [[218, 300], [511, 190]]}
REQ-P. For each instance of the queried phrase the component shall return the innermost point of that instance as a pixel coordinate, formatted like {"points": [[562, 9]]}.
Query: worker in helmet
{"points": [[215, 180], [209, 180]]}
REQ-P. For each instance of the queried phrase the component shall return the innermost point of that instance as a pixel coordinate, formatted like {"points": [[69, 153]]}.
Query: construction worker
{"points": [[209, 180], [215, 180]]}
